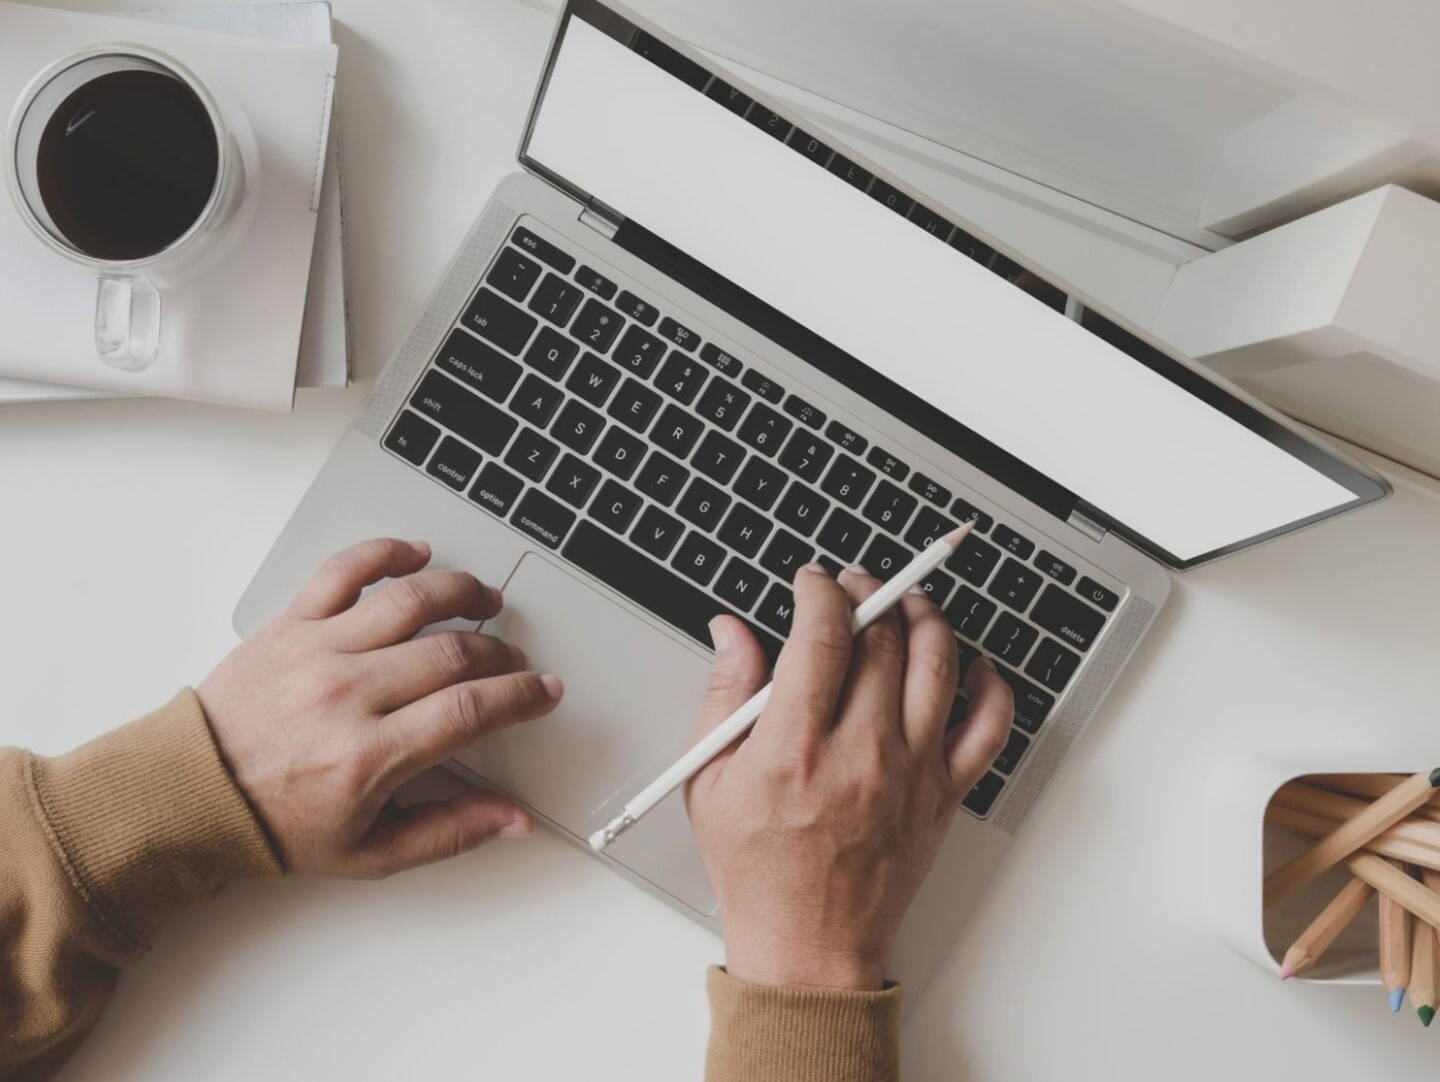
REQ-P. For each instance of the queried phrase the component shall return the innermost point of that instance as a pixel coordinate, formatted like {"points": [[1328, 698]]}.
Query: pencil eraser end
{"points": [[600, 839]]}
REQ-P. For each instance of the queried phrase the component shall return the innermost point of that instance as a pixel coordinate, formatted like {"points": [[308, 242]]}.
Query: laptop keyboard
{"points": [[694, 484]]}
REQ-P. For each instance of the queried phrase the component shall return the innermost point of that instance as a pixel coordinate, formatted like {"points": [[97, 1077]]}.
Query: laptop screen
{"points": [[896, 301]]}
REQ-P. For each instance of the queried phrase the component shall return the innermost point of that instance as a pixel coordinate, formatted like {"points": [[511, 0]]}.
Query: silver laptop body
{"points": [[635, 672]]}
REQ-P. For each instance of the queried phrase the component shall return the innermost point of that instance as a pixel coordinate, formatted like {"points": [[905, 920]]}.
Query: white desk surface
{"points": [[130, 527]]}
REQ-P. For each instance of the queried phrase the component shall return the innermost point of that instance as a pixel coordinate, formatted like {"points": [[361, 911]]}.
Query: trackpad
{"points": [[631, 693]]}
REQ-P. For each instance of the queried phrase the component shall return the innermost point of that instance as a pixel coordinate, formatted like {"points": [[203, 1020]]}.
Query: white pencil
{"points": [[724, 734]]}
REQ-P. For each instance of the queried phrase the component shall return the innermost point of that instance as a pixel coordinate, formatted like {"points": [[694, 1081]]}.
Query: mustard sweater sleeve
{"points": [[801, 1034], [97, 847]]}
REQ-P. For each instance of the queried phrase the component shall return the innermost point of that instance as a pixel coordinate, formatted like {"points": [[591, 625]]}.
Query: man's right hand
{"points": [[819, 826]]}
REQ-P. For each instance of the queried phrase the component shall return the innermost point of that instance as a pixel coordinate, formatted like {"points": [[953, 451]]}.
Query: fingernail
{"points": [[986, 663], [816, 568], [421, 547], [553, 685], [917, 590], [496, 597], [519, 828], [857, 569], [719, 634]]}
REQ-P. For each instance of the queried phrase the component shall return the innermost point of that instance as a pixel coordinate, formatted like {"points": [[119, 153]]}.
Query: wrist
{"points": [[804, 966]]}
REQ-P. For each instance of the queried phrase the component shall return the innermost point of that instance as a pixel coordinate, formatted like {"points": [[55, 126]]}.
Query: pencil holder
{"points": [[1239, 848]]}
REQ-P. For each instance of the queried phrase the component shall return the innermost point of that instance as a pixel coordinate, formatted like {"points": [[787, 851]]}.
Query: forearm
{"points": [[97, 847]]}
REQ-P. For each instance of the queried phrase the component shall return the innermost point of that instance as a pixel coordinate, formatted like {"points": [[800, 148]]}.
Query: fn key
{"points": [[411, 437]]}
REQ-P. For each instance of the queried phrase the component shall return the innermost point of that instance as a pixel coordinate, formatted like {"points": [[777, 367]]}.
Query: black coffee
{"points": [[127, 163]]}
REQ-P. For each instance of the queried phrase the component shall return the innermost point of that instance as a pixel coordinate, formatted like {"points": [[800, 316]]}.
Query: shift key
{"points": [[464, 413]]}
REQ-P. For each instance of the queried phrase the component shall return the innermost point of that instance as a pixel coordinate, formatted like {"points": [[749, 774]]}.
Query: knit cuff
{"points": [[787, 1034], [147, 820]]}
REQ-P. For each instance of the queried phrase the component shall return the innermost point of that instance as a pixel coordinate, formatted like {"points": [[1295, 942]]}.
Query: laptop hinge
{"points": [[1086, 525], [602, 219]]}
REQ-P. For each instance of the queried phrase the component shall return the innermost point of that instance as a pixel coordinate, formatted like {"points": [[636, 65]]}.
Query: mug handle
{"points": [[127, 322]]}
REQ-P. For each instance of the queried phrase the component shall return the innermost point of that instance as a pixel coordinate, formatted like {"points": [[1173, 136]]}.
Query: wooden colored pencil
{"points": [[1395, 950], [1351, 835], [1423, 960], [1337, 806], [1426, 999], [1388, 879], [1392, 843], [1371, 786], [1333, 919]]}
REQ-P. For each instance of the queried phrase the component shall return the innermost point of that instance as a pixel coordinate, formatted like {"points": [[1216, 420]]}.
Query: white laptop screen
{"points": [[1152, 456]]}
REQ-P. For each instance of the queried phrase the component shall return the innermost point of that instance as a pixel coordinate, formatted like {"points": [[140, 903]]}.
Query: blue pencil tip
{"points": [[1397, 997]]}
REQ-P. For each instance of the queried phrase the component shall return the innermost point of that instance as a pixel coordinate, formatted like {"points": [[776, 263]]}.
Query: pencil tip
{"points": [[1397, 997], [1427, 1015], [955, 536]]}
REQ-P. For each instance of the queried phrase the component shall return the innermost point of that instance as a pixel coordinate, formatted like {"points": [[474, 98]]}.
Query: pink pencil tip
{"points": [[955, 536]]}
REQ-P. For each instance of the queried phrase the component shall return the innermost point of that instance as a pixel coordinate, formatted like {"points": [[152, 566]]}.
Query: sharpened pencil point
{"points": [[1427, 1015], [955, 536], [1397, 997]]}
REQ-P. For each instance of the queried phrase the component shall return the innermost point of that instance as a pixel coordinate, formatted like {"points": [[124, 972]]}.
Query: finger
{"points": [[810, 673], [401, 674], [877, 668], [336, 585], [428, 732], [430, 832], [982, 735], [739, 671], [400, 608], [932, 671]]}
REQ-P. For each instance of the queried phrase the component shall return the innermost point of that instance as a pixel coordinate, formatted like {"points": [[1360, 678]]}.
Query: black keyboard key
{"points": [[453, 463], [887, 463], [676, 431], [495, 319], [1052, 664], [722, 404], [929, 526], [982, 798], [832, 566], [801, 509], [937, 586], [638, 310], [681, 377], [891, 197], [718, 457], [1014, 750], [718, 359], [1055, 567], [806, 455], [1015, 584], [544, 251], [960, 708], [1091, 590], [849, 172], [668, 59], [930, 490], [481, 366], [1032, 704], [767, 389], [597, 326], [551, 353], [847, 481], [661, 478], [969, 613], [929, 221], [556, 300], [698, 559], [577, 427], [1017, 545], [703, 504], [884, 558], [654, 588], [536, 401], [573, 481], [804, 412], [764, 429], [411, 437], [615, 506], [531, 454], [971, 246], [678, 333], [619, 453], [496, 489], [777, 610], [638, 352], [974, 560], [745, 530], [513, 274], [847, 438], [785, 555], [844, 535], [740, 584], [463, 412], [634, 405], [890, 507], [737, 101], [759, 482], [593, 379], [966, 511], [1067, 618], [1010, 639], [595, 282], [811, 147], [657, 532], [770, 123], [543, 518]]}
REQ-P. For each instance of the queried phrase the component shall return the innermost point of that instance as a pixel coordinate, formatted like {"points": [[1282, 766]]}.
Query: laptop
{"points": [[691, 346]]}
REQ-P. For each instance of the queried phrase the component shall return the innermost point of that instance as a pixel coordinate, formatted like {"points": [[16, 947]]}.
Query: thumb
{"points": [[432, 831], [740, 670]]}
